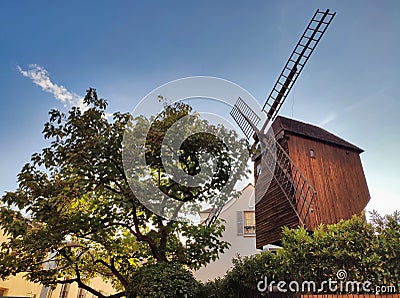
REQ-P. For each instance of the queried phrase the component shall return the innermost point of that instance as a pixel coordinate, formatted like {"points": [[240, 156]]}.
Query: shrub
{"points": [[366, 251], [164, 280]]}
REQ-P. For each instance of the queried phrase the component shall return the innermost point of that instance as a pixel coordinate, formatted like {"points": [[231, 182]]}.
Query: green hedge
{"points": [[366, 251]]}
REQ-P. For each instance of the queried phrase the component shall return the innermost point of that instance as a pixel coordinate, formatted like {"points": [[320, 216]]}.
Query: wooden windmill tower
{"points": [[304, 175]]}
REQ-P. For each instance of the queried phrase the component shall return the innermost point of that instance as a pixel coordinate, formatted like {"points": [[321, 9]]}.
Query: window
{"points": [[312, 153], [64, 291], [46, 292], [246, 222], [49, 293], [249, 222], [81, 293], [3, 291], [257, 170]]}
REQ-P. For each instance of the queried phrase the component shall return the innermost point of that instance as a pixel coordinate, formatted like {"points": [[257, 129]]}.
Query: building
{"points": [[17, 286], [240, 232], [318, 178]]}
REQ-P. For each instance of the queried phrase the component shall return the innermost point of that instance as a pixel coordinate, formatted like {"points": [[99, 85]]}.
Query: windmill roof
{"points": [[310, 131]]}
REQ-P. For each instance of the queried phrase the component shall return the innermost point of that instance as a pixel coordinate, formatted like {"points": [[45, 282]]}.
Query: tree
{"points": [[388, 248], [74, 215], [368, 252]]}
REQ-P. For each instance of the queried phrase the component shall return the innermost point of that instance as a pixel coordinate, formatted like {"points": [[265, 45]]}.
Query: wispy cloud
{"points": [[40, 77], [377, 95], [329, 118]]}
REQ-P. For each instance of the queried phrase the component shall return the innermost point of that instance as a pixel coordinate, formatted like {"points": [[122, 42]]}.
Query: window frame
{"points": [[3, 291], [65, 290], [312, 153], [249, 229], [81, 293]]}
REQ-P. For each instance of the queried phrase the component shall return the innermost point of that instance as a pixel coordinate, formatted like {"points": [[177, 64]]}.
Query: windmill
{"points": [[279, 173]]}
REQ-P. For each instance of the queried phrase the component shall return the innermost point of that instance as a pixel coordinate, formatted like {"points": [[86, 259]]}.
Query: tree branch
{"points": [[83, 285], [114, 270]]}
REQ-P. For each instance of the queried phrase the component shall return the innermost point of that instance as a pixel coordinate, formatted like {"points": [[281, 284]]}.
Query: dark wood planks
{"points": [[273, 211], [335, 172]]}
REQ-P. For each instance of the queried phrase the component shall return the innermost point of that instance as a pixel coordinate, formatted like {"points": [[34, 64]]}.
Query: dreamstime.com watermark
{"points": [[327, 286]]}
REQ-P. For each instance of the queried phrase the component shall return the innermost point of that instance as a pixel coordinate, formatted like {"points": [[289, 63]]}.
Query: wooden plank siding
{"points": [[273, 211], [337, 176], [335, 172]]}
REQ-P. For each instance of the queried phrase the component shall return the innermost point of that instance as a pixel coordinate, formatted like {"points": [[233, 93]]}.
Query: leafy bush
{"points": [[164, 280], [367, 251]]}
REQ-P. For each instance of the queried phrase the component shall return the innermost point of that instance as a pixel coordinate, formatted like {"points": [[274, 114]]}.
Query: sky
{"points": [[52, 51]]}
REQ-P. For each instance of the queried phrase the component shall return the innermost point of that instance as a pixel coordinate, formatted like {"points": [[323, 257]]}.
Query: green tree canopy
{"points": [[74, 215]]}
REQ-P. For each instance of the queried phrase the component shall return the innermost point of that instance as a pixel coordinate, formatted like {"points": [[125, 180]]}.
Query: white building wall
{"points": [[18, 286], [244, 245]]}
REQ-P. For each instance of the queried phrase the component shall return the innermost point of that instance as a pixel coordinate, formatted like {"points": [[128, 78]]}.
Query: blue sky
{"points": [[125, 49]]}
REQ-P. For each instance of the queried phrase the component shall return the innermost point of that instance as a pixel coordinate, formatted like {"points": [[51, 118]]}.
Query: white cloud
{"points": [[40, 76], [329, 118]]}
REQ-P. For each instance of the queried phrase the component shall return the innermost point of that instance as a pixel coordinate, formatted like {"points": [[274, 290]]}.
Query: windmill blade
{"points": [[245, 118], [293, 67], [295, 187]]}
